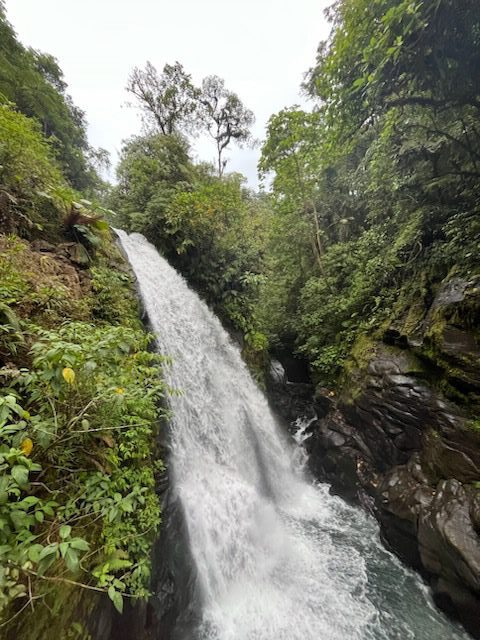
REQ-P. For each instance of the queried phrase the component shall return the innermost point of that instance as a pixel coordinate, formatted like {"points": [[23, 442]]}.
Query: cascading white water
{"points": [[277, 557]]}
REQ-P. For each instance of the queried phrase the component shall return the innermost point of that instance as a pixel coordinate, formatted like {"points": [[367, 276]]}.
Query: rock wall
{"points": [[401, 437]]}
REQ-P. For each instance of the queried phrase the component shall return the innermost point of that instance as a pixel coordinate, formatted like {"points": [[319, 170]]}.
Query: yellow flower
{"points": [[68, 375], [120, 390], [26, 446]]}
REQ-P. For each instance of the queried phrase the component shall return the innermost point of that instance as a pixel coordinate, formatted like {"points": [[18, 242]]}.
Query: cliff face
{"points": [[401, 438]]}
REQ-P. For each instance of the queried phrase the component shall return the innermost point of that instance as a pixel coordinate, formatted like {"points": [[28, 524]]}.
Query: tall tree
{"points": [[168, 100], [291, 150], [224, 116]]}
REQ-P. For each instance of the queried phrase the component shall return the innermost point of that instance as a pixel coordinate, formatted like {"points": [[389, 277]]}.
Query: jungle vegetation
{"points": [[371, 199], [81, 392], [374, 197]]}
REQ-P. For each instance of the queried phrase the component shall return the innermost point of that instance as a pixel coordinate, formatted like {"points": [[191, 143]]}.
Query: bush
{"points": [[77, 429], [33, 191]]}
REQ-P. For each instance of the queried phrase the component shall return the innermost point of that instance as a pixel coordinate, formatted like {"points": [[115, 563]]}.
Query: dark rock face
{"points": [[400, 440], [292, 400]]}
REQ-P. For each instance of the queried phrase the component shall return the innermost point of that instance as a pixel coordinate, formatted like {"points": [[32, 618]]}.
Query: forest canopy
{"points": [[375, 191], [34, 83]]}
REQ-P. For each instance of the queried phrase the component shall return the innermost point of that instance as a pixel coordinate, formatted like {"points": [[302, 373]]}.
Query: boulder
{"points": [[449, 545]]}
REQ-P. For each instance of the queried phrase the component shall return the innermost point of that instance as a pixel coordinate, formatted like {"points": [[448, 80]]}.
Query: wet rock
{"points": [[292, 400], [324, 400], [449, 547], [330, 439], [475, 510], [338, 456], [450, 292], [450, 459], [402, 495], [395, 408], [392, 409], [399, 441], [455, 341], [460, 349]]}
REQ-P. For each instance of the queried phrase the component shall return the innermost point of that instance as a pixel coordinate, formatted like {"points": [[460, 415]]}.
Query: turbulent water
{"points": [[277, 557]]}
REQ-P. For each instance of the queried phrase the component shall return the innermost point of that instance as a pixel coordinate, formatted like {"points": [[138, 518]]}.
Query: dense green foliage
{"points": [[376, 197], [76, 459], [31, 184], [80, 392], [35, 198], [34, 82], [374, 201], [212, 229]]}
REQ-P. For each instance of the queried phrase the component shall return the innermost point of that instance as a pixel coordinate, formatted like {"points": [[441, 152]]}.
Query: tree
{"points": [[388, 166], [224, 116], [35, 83], [172, 104], [292, 151], [169, 100], [398, 52], [151, 168]]}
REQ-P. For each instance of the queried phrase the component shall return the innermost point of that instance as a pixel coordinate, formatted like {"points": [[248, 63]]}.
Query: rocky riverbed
{"points": [[399, 436]]}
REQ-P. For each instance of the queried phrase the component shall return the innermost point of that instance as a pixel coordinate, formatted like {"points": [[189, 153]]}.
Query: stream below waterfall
{"points": [[276, 557]]}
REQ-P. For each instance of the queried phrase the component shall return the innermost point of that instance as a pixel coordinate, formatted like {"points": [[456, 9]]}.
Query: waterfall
{"points": [[276, 556]]}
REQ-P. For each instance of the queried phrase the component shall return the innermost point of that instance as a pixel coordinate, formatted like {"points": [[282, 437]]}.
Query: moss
{"points": [[411, 364], [352, 376], [410, 306], [438, 323], [362, 352], [474, 425], [450, 378], [257, 362], [415, 315]]}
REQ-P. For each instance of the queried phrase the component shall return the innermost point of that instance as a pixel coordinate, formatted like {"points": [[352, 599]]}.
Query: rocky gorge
{"points": [[399, 437]]}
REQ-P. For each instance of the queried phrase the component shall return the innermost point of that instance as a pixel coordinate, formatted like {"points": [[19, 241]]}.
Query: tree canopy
{"points": [[34, 82], [168, 100], [374, 191], [224, 117], [171, 104]]}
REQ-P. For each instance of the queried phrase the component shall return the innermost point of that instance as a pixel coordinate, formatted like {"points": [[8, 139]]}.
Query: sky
{"points": [[261, 48]]}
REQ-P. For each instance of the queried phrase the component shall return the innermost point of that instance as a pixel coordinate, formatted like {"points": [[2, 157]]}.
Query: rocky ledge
{"points": [[400, 437]]}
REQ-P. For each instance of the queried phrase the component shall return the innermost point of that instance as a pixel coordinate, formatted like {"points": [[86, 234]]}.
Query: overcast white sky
{"points": [[260, 47]]}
